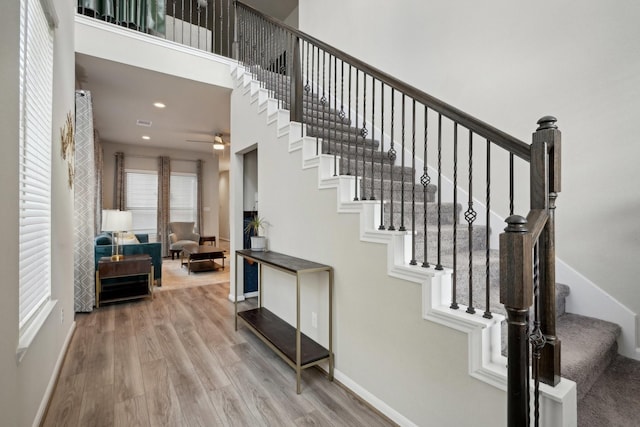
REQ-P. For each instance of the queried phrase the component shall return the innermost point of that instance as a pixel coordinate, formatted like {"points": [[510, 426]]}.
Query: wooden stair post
{"points": [[545, 166], [296, 83], [516, 293]]}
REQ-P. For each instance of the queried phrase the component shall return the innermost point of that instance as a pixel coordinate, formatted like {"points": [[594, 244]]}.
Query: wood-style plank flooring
{"points": [[177, 361]]}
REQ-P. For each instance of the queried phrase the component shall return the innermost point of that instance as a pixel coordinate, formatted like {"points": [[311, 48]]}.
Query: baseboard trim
{"points": [[53, 381], [372, 400]]}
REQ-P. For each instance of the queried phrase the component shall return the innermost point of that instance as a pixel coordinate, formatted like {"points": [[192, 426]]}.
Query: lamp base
{"points": [[118, 257]]}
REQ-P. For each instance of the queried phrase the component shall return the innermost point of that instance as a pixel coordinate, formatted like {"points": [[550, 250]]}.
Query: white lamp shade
{"points": [[113, 220]]}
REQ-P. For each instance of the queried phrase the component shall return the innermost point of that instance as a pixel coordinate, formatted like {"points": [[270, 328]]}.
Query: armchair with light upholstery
{"points": [[182, 234]]}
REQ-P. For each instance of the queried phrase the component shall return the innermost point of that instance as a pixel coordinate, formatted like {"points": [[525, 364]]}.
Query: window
{"points": [[142, 200], [183, 200], [36, 94]]}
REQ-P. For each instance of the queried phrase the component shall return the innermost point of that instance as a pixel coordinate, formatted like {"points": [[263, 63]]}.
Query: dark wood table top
{"points": [[282, 261], [201, 249]]}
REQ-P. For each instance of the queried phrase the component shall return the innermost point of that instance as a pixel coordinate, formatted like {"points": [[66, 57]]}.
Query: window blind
{"points": [[184, 197], [142, 200], [36, 89]]}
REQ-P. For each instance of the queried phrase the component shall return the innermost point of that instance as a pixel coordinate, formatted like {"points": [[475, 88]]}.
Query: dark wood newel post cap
{"points": [[547, 122], [516, 224]]}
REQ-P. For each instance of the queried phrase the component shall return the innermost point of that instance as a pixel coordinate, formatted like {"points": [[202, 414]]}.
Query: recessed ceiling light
{"points": [[159, 105], [146, 137]]}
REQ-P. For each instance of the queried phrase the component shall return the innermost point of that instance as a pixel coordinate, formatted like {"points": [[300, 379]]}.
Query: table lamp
{"points": [[116, 222]]}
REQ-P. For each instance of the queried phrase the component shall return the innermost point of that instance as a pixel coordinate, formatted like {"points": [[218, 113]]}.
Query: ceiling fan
{"points": [[217, 141]]}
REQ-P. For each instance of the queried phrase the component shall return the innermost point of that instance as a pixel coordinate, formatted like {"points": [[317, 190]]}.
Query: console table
{"points": [[295, 348], [129, 278]]}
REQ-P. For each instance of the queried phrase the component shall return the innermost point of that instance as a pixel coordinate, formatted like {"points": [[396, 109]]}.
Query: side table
{"points": [[129, 278], [210, 239]]}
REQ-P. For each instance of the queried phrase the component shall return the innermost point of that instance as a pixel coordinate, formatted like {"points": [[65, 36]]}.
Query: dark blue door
{"points": [[250, 270]]}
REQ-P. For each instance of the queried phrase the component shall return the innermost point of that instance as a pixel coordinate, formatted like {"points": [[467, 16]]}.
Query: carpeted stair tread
{"points": [[614, 399], [588, 347]]}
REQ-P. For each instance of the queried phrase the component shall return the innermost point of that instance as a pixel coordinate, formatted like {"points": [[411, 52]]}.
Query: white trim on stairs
{"points": [[485, 361]]}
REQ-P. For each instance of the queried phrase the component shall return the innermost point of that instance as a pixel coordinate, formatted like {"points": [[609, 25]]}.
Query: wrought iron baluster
{"points": [[510, 184], [454, 284], [355, 158], [470, 217], [425, 180], [413, 184], [373, 128], [198, 13], [263, 58], [536, 338], [290, 70], [286, 98], [220, 28], [323, 101], [363, 132], [239, 34], [314, 105], [439, 264], [392, 158], [304, 87], [348, 160], [402, 227], [228, 29], [214, 17], [381, 226], [487, 310], [335, 108], [341, 115]]}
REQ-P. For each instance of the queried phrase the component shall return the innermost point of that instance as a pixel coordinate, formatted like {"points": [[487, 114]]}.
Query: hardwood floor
{"points": [[177, 361]]}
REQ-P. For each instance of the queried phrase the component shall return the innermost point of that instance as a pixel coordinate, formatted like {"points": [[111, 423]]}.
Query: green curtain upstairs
{"points": [[147, 16]]}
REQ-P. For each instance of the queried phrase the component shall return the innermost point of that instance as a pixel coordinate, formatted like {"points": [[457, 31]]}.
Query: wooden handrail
{"points": [[536, 221], [500, 138]]}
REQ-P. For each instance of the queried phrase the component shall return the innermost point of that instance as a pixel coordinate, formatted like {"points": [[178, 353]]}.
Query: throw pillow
{"points": [[127, 239]]}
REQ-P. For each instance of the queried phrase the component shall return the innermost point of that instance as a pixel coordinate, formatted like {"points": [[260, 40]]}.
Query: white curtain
{"points": [[84, 205]]}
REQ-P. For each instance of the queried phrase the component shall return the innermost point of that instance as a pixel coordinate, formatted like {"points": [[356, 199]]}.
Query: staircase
{"points": [[589, 348]]}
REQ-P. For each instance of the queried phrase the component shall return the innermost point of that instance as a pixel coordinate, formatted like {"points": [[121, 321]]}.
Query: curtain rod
{"points": [[139, 156]]}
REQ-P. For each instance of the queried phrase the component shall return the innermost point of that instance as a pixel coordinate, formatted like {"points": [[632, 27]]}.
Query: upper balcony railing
{"points": [[202, 24]]}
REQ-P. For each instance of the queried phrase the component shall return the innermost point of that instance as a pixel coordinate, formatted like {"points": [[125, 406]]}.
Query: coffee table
{"points": [[198, 255]]}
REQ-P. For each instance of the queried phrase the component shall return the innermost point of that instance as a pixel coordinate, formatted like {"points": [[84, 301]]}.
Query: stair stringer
{"points": [[485, 361]]}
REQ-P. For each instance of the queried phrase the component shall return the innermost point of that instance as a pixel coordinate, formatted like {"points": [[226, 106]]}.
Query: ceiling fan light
{"points": [[217, 139], [218, 145]]}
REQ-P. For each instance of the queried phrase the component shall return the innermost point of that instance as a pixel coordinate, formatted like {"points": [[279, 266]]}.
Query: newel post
{"points": [[296, 83], [516, 293], [546, 149]]}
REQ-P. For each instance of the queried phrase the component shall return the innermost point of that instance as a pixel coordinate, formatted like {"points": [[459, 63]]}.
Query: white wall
{"points": [[223, 209], [511, 63], [292, 19], [145, 158], [417, 368], [25, 385]]}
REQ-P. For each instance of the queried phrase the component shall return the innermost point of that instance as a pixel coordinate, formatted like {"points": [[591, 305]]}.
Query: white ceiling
{"points": [[123, 94]]}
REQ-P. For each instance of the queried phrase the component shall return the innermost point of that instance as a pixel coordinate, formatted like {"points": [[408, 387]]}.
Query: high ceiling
{"points": [[123, 94]]}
